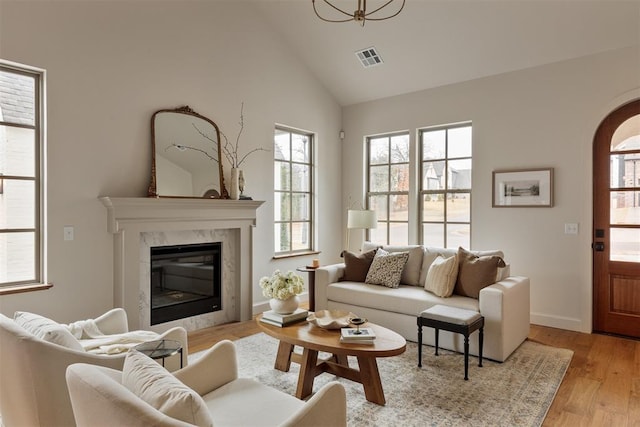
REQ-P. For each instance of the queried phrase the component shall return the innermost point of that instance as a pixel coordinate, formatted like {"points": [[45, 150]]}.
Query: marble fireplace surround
{"points": [[137, 223]]}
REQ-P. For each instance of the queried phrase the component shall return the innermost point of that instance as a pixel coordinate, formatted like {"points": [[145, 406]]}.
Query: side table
{"points": [[161, 349], [312, 285]]}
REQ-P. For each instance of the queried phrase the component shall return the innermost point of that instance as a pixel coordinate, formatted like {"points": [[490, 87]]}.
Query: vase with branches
{"points": [[231, 151]]}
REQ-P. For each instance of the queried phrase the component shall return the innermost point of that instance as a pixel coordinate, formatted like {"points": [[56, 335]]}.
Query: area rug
{"points": [[517, 392]]}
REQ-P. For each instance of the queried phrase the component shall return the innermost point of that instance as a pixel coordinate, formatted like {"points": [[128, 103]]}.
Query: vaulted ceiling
{"points": [[438, 42]]}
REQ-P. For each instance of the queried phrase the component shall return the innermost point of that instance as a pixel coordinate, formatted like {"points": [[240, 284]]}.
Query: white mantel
{"points": [[133, 219]]}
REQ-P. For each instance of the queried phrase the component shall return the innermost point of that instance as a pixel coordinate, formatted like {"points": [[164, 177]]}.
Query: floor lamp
{"points": [[360, 219]]}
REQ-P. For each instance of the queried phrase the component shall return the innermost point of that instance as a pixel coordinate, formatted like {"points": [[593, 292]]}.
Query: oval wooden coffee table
{"points": [[314, 339]]}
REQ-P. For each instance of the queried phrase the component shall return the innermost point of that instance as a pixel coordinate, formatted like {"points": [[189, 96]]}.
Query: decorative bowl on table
{"points": [[330, 319]]}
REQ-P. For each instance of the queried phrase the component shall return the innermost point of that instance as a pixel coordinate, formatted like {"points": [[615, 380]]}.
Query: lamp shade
{"points": [[361, 219]]}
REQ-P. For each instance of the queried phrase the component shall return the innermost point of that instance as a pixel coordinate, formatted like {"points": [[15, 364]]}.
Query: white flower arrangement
{"points": [[282, 286]]}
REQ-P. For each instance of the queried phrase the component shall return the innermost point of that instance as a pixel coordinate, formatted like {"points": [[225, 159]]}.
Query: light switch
{"points": [[68, 232], [571, 228]]}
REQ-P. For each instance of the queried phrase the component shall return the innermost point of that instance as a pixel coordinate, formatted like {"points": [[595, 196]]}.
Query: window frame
{"points": [[39, 178], [310, 249], [422, 192], [388, 194]]}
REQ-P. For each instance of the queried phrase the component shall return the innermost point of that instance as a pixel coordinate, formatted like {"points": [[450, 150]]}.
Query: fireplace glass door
{"points": [[185, 281]]}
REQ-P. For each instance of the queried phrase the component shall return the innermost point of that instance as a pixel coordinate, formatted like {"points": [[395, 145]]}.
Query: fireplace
{"points": [[185, 281], [140, 223]]}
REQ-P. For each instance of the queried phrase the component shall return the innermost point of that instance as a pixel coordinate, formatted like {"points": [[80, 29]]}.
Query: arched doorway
{"points": [[616, 222]]}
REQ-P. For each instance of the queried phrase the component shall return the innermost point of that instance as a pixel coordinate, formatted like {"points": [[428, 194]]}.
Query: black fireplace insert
{"points": [[186, 280]]}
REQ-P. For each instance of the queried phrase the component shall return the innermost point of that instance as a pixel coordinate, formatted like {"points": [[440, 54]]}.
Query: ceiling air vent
{"points": [[369, 57]]}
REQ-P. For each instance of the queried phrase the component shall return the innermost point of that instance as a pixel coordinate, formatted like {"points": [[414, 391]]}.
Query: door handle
{"points": [[598, 246]]}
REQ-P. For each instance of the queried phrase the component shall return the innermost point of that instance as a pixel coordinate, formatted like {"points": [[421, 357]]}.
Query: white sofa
{"points": [[33, 390], [504, 304], [210, 393]]}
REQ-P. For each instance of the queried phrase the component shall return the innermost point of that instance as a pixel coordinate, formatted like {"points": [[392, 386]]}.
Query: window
{"points": [[292, 188], [446, 186], [21, 182], [388, 187]]}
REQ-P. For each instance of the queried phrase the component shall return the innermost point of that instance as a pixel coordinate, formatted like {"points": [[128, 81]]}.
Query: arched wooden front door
{"points": [[616, 223]]}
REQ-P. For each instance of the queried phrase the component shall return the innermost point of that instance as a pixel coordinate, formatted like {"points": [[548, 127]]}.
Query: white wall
{"points": [[540, 117], [110, 65]]}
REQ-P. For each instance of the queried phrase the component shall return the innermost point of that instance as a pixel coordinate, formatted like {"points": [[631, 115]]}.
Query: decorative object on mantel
{"points": [[234, 186], [230, 151], [360, 15], [283, 289]]}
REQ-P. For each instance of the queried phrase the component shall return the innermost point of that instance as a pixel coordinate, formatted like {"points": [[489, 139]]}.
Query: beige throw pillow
{"points": [[442, 275], [357, 265], [476, 272], [386, 268], [145, 378], [47, 330]]}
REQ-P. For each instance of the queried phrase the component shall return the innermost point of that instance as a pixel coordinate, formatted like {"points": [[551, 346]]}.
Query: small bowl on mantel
{"points": [[330, 319]]}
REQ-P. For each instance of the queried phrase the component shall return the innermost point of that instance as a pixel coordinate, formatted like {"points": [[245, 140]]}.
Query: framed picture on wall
{"points": [[523, 188]]}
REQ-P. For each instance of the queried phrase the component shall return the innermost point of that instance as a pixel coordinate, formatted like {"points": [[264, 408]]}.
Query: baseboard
{"points": [[568, 323]]}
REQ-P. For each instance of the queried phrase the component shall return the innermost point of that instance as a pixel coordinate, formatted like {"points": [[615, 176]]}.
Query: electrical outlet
{"points": [[68, 233], [571, 228]]}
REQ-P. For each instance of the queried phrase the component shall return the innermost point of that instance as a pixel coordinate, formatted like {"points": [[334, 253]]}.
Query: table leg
{"points": [[370, 378], [481, 339], [341, 359], [419, 342], [307, 373], [466, 357], [312, 291], [283, 358]]}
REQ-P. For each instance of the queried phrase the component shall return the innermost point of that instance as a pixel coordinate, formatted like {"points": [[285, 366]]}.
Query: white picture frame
{"points": [[523, 188]]}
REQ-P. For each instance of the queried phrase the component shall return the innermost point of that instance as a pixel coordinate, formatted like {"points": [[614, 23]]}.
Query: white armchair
{"points": [[99, 397], [33, 390]]}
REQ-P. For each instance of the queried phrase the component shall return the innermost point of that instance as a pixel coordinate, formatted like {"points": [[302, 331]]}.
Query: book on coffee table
{"points": [[345, 340], [352, 334], [272, 318]]}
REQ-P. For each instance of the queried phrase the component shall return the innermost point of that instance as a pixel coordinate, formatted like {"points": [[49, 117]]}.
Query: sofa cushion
{"points": [[442, 275], [47, 330], [231, 404], [145, 378], [413, 267], [357, 265], [408, 300], [386, 268], [476, 272], [432, 252]]}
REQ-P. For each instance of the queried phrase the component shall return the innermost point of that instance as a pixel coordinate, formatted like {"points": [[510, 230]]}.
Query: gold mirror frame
{"points": [[199, 147]]}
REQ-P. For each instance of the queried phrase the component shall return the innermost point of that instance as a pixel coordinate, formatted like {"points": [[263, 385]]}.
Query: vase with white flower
{"points": [[283, 289], [232, 154]]}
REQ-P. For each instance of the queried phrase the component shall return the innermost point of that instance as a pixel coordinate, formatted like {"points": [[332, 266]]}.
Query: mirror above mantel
{"points": [[186, 156]]}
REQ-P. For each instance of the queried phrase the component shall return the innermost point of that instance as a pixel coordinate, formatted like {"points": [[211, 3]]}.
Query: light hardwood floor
{"points": [[601, 387]]}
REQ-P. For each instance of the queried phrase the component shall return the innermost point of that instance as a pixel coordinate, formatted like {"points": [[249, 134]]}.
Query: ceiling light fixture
{"points": [[360, 15]]}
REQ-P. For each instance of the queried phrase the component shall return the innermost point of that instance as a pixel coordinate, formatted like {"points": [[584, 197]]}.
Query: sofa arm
{"points": [[217, 367], [328, 407], [324, 277], [505, 306]]}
